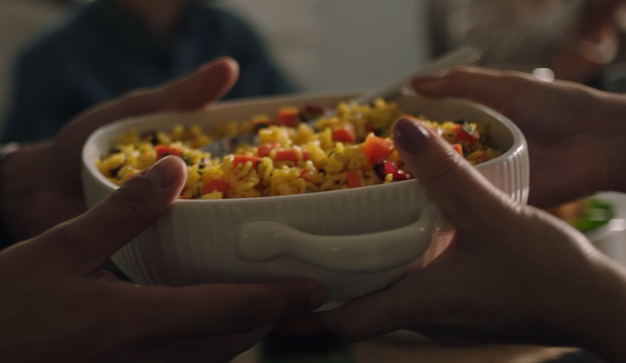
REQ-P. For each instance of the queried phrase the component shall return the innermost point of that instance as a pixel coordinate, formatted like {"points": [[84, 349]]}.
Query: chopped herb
{"points": [[111, 151], [402, 164], [119, 177], [186, 160], [197, 194], [151, 136], [258, 163], [309, 190], [468, 128], [200, 172], [331, 153]]}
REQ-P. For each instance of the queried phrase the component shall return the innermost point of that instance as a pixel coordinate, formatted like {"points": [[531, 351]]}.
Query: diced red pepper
{"points": [[344, 134], [264, 150], [377, 149], [165, 150], [458, 148], [217, 185], [288, 116], [462, 135], [303, 176], [352, 179], [290, 155], [242, 159]]}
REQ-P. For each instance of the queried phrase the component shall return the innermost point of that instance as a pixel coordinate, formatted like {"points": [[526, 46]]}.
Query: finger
{"points": [[367, 317], [459, 190], [492, 88], [88, 241], [215, 350], [217, 310], [194, 92], [200, 350]]}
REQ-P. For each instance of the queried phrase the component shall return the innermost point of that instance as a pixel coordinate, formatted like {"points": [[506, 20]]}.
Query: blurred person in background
{"points": [[575, 38], [112, 46]]}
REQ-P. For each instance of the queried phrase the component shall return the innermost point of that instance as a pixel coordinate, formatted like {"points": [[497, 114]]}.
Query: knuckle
{"points": [[444, 169], [135, 196]]}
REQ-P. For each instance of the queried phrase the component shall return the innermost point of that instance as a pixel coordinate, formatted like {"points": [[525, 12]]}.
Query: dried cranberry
{"points": [[386, 167], [314, 109], [311, 112]]}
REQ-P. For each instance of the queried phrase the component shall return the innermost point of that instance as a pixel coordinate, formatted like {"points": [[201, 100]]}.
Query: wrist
{"points": [[602, 315]]}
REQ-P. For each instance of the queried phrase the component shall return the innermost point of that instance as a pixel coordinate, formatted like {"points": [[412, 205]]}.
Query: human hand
{"points": [[594, 43], [513, 274], [576, 135], [40, 185], [58, 306]]}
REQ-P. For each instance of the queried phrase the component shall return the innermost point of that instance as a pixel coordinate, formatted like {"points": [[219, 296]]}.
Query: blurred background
{"points": [[59, 57]]}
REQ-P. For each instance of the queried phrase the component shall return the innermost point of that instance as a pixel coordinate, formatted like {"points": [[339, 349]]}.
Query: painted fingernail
{"points": [[164, 173], [318, 298], [410, 135]]}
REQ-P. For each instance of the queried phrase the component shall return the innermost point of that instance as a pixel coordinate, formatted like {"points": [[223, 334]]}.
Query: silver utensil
{"points": [[456, 58]]}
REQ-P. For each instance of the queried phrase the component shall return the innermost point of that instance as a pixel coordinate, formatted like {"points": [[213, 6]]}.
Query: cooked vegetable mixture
{"points": [[350, 150]]}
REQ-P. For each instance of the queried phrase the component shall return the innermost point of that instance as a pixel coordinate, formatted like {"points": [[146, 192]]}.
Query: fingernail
{"points": [[163, 173], [318, 298], [410, 135]]}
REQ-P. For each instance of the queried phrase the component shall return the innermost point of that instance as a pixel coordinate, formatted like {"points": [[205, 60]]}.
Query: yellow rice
{"points": [[322, 164]]}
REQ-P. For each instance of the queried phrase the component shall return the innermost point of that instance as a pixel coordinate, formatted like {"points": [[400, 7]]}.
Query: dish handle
{"points": [[267, 240]]}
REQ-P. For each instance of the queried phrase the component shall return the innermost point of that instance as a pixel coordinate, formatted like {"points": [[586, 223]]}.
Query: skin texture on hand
{"points": [[58, 306], [576, 135], [513, 274], [40, 185]]}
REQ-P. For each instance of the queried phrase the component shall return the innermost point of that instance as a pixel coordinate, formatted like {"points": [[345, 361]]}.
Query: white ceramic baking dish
{"points": [[354, 241]]}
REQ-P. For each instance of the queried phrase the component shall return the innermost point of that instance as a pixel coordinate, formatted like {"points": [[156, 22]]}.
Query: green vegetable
{"points": [[309, 190], [597, 214]]}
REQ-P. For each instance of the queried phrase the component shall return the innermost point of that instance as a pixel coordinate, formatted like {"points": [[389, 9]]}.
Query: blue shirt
{"points": [[103, 52]]}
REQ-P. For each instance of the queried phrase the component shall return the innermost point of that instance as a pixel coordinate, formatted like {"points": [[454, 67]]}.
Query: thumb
{"points": [[87, 241], [459, 190]]}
